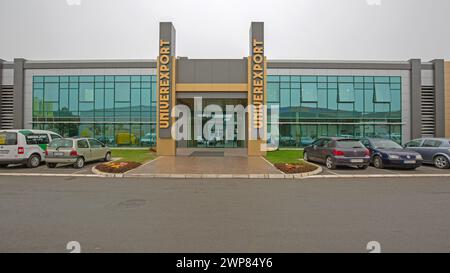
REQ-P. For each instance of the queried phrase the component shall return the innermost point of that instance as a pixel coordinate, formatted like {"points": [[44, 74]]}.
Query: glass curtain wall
{"points": [[117, 110], [345, 106]]}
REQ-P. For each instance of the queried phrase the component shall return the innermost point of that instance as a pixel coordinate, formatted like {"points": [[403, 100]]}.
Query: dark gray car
{"points": [[334, 152], [433, 150]]}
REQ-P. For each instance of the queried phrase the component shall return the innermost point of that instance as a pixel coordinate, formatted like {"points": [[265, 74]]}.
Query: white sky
{"points": [[294, 29]]}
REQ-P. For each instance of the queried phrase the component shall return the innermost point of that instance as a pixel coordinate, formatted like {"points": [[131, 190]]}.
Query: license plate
{"points": [[58, 154], [410, 162], [356, 160], [4, 152]]}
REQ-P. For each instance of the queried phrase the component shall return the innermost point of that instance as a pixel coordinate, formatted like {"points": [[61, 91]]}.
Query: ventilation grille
{"points": [[7, 108], [428, 111]]}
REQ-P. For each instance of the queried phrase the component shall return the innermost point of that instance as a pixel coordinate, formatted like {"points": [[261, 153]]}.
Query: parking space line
{"points": [[82, 170], [328, 170]]}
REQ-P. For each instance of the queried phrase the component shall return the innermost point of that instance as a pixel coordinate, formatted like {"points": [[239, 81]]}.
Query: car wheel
{"points": [[363, 167], [305, 156], [34, 161], [330, 163], [441, 162], [378, 162], [79, 163], [107, 157], [51, 165]]}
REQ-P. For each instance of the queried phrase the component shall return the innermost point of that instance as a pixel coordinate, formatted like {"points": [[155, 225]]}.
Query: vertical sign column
{"points": [[166, 89], [257, 123]]}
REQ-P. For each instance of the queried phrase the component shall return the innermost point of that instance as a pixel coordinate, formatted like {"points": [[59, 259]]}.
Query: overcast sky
{"points": [[294, 29]]}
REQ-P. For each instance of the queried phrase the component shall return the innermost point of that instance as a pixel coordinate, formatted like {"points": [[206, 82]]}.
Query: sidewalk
{"points": [[232, 165]]}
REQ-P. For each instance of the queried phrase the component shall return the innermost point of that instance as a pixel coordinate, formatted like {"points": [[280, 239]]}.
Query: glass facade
{"points": [[117, 110], [346, 106], [121, 110]]}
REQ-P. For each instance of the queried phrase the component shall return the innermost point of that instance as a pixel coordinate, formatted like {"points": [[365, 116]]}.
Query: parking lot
{"points": [[43, 169], [423, 170]]}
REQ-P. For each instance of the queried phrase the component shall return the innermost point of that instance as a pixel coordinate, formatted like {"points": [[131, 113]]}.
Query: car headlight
{"points": [[394, 157], [419, 157]]}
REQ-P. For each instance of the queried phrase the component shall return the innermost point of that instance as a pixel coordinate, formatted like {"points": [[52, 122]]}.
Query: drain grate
{"points": [[207, 154]]}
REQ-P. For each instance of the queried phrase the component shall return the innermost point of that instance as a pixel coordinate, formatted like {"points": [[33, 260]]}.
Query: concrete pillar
{"points": [[416, 98], [447, 98], [439, 89], [1, 83], [257, 90], [166, 96], [19, 77]]}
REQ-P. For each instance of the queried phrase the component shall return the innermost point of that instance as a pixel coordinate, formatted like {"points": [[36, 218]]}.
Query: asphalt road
{"points": [[42, 214]]}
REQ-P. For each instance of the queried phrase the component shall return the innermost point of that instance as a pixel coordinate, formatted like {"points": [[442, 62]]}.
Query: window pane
{"points": [[382, 93], [87, 92], [51, 92], [99, 99], [309, 92], [332, 99], [73, 99], [122, 91], [109, 99], [295, 97], [145, 99], [86, 130], [273, 92], [285, 99], [322, 98], [38, 99], [136, 98], [64, 99], [272, 78], [346, 92]]}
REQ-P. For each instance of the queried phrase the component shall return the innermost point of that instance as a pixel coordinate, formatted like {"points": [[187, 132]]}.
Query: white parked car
{"points": [[24, 146]]}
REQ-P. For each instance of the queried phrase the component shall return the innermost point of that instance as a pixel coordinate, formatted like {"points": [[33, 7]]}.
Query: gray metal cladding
{"points": [[211, 70]]}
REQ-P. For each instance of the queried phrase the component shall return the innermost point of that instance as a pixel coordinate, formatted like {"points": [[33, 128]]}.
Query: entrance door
{"points": [[218, 135]]}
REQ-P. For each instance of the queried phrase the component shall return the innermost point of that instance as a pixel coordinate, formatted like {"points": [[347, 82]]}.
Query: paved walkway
{"points": [[206, 165]]}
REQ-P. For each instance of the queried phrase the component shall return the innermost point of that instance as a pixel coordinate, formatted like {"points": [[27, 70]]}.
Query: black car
{"points": [[387, 153], [335, 152]]}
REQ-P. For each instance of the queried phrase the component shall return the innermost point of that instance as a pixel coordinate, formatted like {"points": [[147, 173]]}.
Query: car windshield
{"points": [[349, 144], [385, 144], [61, 143]]}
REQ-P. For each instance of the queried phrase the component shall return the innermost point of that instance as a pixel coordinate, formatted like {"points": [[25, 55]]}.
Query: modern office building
{"points": [[127, 103]]}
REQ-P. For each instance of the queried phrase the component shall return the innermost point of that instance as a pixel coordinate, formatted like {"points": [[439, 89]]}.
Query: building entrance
{"points": [[216, 134]]}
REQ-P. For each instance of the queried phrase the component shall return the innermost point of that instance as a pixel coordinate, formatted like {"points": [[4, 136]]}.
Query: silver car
{"points": [[433, 150], [76, 151]]}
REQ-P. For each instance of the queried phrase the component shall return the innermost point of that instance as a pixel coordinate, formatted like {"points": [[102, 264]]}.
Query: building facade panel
{"points": [[7, 76], [447, 99]]}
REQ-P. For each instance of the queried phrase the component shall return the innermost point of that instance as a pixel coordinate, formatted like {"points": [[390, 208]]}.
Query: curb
{"points": [[380, 175], [100, 173], [94, 170], [226, 176]]}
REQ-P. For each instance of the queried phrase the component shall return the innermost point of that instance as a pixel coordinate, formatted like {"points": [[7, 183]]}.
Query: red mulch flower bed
{"points": [[295, 168], [117, 166]]}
